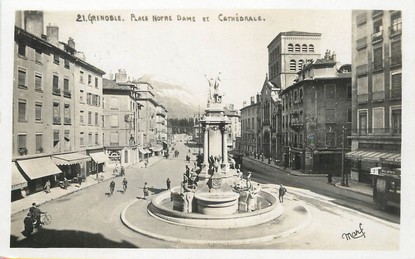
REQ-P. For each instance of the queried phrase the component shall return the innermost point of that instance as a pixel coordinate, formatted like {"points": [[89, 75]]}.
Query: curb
{"points": [[287, 171], [245, 241], [338, 185]]}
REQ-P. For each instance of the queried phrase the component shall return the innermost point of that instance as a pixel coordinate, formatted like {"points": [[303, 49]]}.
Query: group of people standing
{"points": [[32, 219]]}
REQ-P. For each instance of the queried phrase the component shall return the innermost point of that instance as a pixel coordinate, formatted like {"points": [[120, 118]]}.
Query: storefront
{"points": [[19, 184], [38, 171], [157, 150], [72, 165], [143, 153], [100, 160], [363, 160]]}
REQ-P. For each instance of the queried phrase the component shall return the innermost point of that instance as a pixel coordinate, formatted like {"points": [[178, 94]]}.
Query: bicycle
{"points": [[45, 219]]}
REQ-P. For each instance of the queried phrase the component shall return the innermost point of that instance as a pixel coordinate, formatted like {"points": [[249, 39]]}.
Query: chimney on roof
{"points": [[258, 96], [231, 107], [252, 99], [334, 56], [121, 76], [33, 22], [244, 104], [71, 43], [327, 55], [52, 34], [111, 76]]}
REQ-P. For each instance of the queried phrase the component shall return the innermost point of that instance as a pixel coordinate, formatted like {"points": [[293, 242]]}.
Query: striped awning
{"points": [[143, 151], [156, 148], [99, 157], [70, 159], [375, 156], [38, 167], [18, 181]]}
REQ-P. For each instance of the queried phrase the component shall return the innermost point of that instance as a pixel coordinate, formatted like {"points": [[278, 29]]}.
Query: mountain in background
{"points": [[179, 102]]}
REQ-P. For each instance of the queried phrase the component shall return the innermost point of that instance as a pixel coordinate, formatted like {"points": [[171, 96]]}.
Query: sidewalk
{"points": [[354, 186], [57, 192]]}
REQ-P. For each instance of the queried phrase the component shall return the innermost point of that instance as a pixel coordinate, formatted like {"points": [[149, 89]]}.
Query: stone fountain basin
{"points": [[158, 210]]}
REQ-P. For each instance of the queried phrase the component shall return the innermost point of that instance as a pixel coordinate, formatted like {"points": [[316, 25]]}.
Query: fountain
{"points": [[214, 195]]}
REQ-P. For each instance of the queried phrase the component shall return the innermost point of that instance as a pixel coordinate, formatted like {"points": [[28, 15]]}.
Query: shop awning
{"points": [[70, 159], [38, 167], [143, 151], [18, 181], [156, 148], [374, 156], [99, 157]]}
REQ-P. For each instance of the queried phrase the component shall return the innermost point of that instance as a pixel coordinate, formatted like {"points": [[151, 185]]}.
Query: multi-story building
{"points": [[234, 127], [288, 52], [377, 92], [269, 140], [249, 127], [161, 124], [44, 105], [315, 109], [120, 123]]}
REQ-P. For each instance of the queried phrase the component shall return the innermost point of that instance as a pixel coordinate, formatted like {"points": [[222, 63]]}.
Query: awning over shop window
{"points": [[143, 151], [156, 148], [38, 167], [18, 181], [99, 157], [375, 156], [70, 159]]}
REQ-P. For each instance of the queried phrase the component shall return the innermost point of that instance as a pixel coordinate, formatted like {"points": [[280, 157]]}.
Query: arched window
{"points": [[297, 48], [292, 65], [304, 48], [290, 47], [300, 64], [311, 48]]}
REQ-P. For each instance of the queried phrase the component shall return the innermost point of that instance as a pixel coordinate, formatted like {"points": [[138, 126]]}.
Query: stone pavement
{"points": [[57, 192], [354, 186]]}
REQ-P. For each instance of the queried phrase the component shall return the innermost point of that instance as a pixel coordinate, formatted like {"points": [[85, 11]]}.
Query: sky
{"points": [[183, 51]]}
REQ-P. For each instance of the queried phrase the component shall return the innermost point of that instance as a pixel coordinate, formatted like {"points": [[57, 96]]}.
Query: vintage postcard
{"points": [[216, 130]]}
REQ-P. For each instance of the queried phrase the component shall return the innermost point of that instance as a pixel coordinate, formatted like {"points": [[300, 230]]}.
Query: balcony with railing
{"points": [[378, 96], [377, 132], [395, 94], [67, 93], [361, 70], [296, 125], [377, 36], [56, 91], [395, 30], [362, 98], [57, 120]]}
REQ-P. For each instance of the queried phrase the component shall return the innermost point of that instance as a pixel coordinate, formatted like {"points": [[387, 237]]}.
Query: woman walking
{"points": [[145, 191]]}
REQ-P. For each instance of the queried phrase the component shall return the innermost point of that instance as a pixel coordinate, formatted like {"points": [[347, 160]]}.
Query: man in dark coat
{"points": [[35, 212]]}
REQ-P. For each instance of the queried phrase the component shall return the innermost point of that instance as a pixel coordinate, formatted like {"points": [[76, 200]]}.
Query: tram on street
{"points": [[386, 187]]}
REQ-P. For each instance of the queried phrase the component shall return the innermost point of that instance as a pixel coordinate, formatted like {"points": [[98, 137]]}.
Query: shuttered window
{"points": [[21, 141], [22, 111], [38, 82], [21, 77], [38, 111], [377, 58], [396, 53]]}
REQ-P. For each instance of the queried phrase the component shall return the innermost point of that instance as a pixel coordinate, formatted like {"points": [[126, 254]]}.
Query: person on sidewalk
{"points": [[281, 193], [35, 212], [47, 186], [168, 183], [122, 170]]}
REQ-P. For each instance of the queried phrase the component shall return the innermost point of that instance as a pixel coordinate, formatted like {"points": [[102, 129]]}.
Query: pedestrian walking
{"points": [[47, 186], [281, 192], [79, 180], [122, 171], [146, 162], [124, 184], [112, 187], [329, 178], [168, 183], [145, 191], [28, 225]]}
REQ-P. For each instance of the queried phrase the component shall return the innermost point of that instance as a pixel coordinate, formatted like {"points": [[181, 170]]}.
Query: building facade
{"points": [[234, 127], [315, 110], [120, 123], [377, 92], [45, 107], [249, 127]]}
